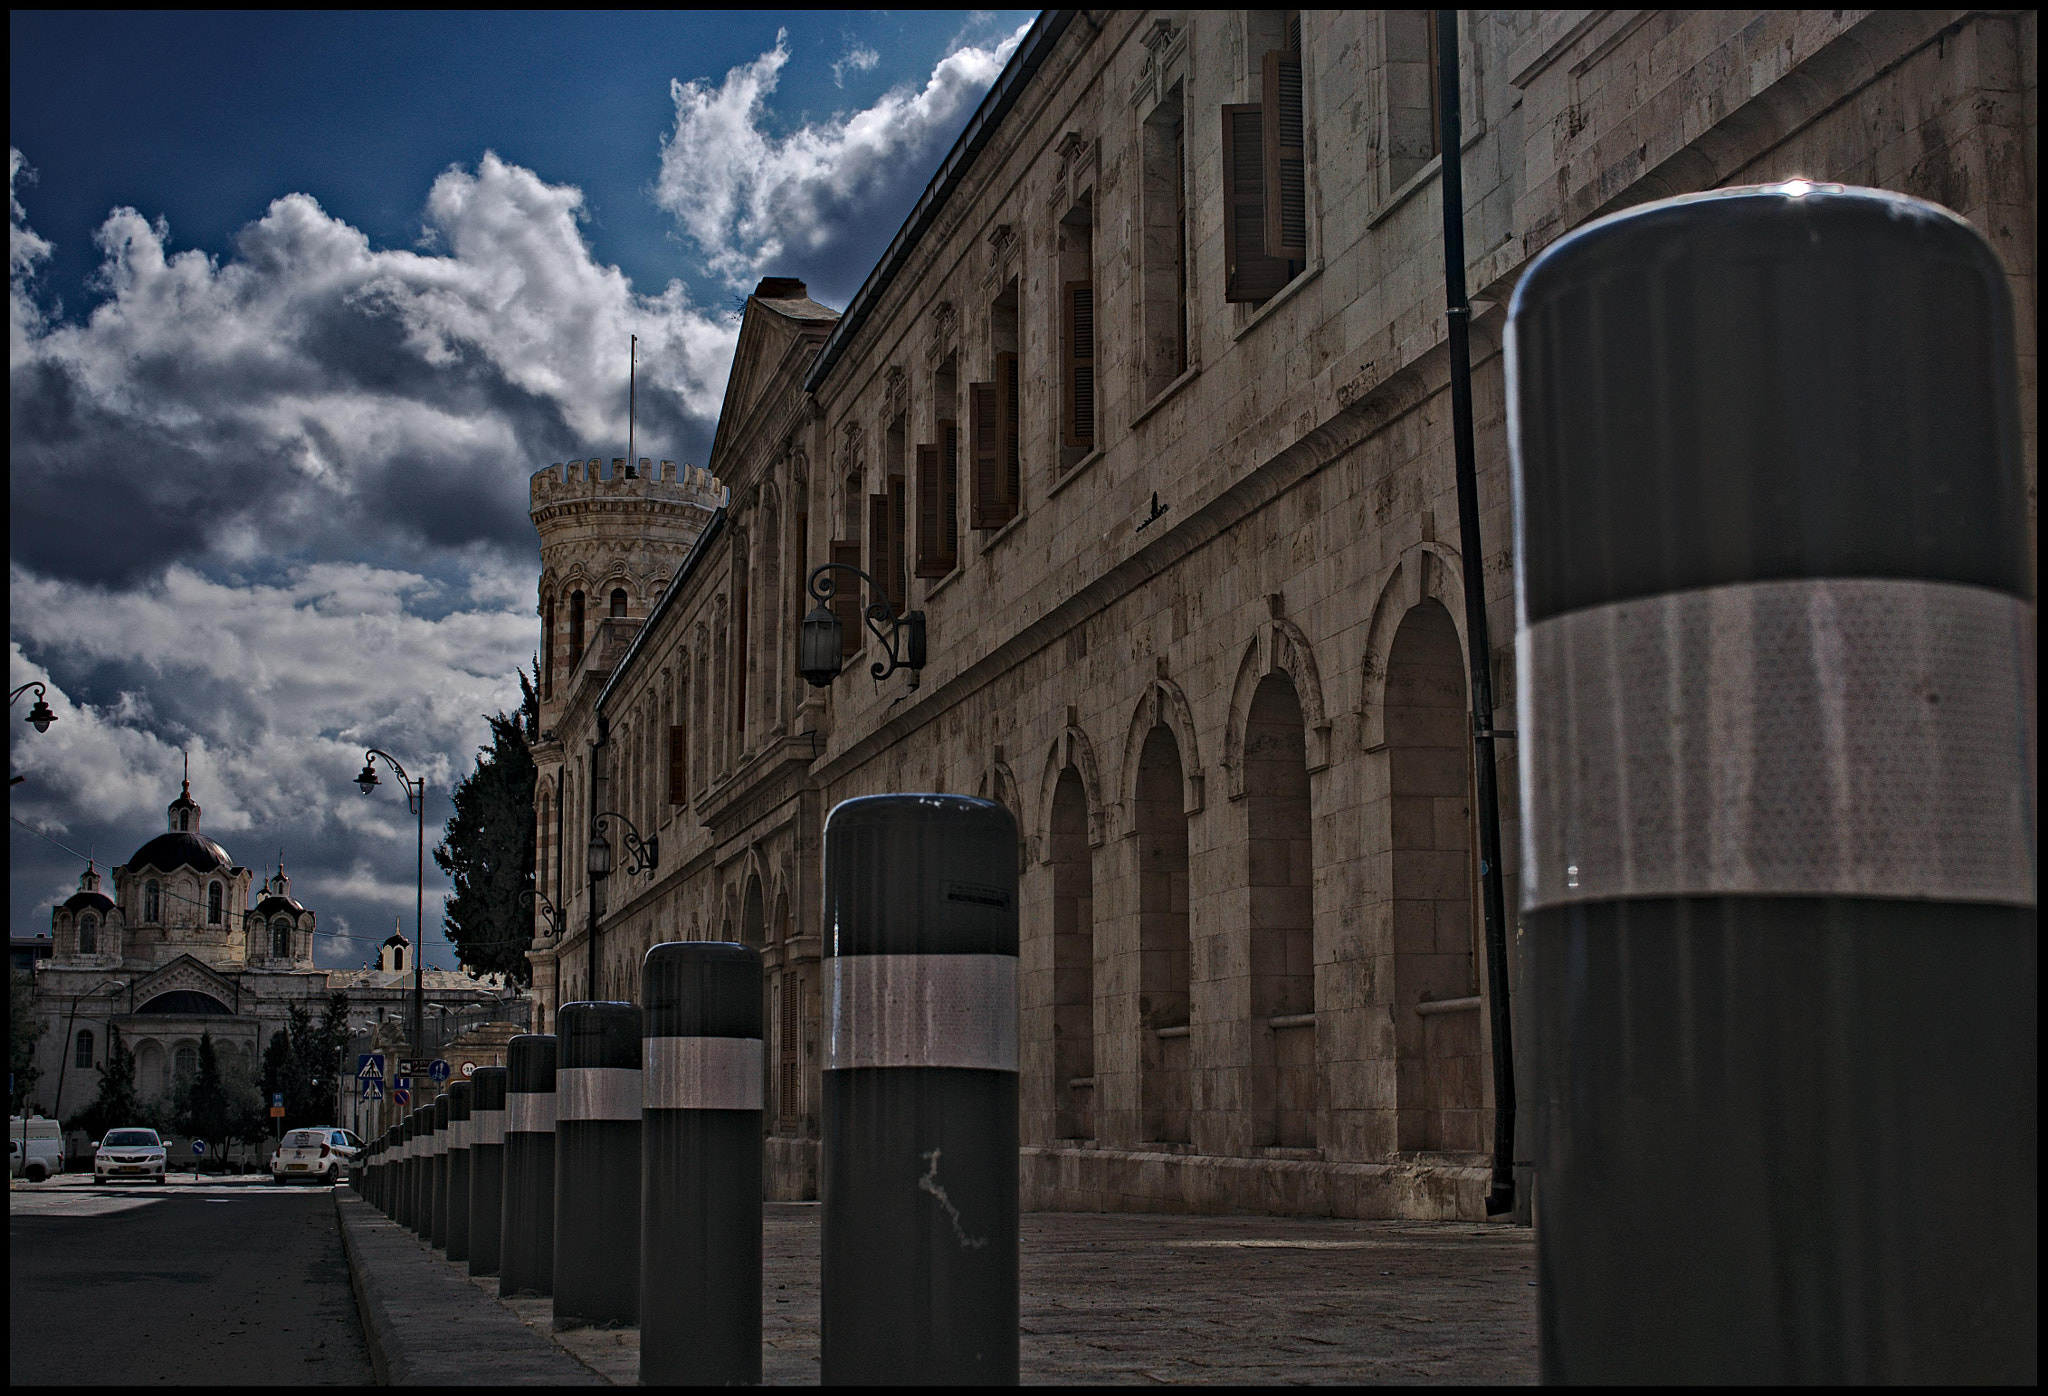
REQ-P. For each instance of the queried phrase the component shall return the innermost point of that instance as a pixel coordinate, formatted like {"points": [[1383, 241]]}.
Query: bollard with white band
{"points": [[1777, 696], [918, 1156], [597, 1164], [415, 1147], [401, 1175], [486, 1167], [700, 1209], [526, 1235], [439, 1232], [458, 1172]]}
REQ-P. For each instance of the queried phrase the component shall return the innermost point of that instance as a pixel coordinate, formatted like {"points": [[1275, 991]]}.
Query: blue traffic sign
{"points": [[199, 1146], [370, 1065], [401, 1090], [439, 1071], [370, 1087], [277, 1101]]}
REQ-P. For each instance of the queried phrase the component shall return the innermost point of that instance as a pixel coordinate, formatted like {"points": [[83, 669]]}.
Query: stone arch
{"points": [[152, 1068], [1072, 748], [1072, 864], [1438, 1062], [1279, 647], [1159, 829], [1279, 853], [998, 784], [1428, 571], [1164, 705]]}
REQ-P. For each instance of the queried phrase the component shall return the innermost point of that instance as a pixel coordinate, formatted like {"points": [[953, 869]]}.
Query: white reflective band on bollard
{"points": [[529, 1112], [1845, 738], [597, 1093], [921, 1010], [487, 1127], [458, 1134], [703, 1073]]}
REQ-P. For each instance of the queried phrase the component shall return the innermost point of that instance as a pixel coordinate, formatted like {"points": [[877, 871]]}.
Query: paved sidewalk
{"points": [[1131, 1298]]}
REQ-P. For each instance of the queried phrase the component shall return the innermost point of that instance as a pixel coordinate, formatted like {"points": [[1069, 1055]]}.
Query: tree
{"points": [[21, 1036], [205, 1114], [303, 1059], [248, 1114], [116, 1103], [489, 846]]}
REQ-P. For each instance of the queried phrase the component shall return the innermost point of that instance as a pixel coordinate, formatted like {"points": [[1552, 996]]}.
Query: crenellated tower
{"points": [[609, 543]]}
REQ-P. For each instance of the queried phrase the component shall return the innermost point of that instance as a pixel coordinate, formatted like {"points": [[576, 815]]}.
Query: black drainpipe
{"points": [[1478, 645]]}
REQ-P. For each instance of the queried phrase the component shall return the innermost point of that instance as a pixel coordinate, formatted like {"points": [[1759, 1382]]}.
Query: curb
{"points": [[427, 1325]]}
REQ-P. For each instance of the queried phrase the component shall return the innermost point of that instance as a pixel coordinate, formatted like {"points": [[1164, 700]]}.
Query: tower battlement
{"points": [[663, 481]]}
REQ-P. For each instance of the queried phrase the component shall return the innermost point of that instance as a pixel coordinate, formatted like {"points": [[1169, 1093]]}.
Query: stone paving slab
{"points": [[426, 1326], [1144, 1298]]}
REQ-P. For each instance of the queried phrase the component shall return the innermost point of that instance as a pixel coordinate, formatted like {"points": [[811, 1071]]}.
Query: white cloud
{"points": [[751, 199], [858, 58]]}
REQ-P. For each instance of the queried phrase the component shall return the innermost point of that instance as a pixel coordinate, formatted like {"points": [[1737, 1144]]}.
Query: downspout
{"points": [[1478, 645]]}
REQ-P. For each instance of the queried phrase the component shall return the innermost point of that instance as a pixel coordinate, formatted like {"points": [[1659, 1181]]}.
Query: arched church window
{"points": [[398, 957], [281, 938], [213, 895], [186, 1061], [184, 820], [618, 603], [152, 901], [83, 1056], [575, 629], [88, 934]]}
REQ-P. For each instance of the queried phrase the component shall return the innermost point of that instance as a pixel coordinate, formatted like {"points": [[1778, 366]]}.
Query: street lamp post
{"points": [[416, 801], [641, 856]]}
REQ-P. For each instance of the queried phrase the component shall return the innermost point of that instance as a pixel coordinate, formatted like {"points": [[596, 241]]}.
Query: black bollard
{"points": [[439, 1234], [405, 1196], [918, 1161], [597, 1165], [700, 1202], [387, 1186], [1776, 657], [486, 1167], [526, 1235], [458, 1172]]}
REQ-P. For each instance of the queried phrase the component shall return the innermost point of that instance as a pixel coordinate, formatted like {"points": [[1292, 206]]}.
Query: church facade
{"points": [[187, 944], [1146, 408]]}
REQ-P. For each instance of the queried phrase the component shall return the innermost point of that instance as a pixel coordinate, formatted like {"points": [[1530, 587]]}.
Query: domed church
{"points": [[190, 943]]}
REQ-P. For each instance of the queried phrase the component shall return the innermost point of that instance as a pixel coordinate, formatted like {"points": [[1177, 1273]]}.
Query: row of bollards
{"points": [[617, 1165]]}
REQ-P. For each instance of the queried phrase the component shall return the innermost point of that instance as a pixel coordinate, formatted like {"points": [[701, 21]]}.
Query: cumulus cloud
{"points": [[858, 58], [756, 202], [309, 391]]}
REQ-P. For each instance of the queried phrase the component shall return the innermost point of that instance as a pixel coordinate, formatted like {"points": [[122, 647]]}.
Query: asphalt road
{"points": [[227, 1282]]}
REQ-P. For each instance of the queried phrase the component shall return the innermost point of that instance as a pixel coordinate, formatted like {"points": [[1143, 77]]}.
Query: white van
{"points": [[35, 1148]]}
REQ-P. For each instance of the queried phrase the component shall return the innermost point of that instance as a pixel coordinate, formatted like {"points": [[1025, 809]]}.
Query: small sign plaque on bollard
{"points": [[918, 1159]]}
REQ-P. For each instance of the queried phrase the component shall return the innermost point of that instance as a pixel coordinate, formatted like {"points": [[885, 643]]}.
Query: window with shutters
{"points": [[1076, 324], [678, 765], [1265, 166], [938, 481], [1164, 250], [846, 598], [995, 455]]}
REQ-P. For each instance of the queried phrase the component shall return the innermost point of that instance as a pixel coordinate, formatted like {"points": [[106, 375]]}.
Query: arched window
{"points": [[213, 895], [83, 1056], [281, 938], [398, 957], [88, 934], [152, 901], [618, 603], [575, 630], [185, 1062], [547, 649]]}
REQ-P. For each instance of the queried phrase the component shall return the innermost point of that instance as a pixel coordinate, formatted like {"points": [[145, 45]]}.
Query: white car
{"points": [[314, 1155], [129, 1153]]}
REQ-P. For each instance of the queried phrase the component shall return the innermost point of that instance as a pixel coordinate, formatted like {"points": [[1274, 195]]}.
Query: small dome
{"points": [[167, 852]]}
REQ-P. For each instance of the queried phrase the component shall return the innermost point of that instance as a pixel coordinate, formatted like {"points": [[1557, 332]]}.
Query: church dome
{"points": [[167, 852], [89, 897]]}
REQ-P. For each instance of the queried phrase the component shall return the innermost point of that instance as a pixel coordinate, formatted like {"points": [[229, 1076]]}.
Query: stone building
{"points": [[180, 950], [1145, 408]]}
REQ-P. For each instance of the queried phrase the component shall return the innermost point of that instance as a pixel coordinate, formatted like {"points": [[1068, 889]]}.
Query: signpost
{"points": [[198, 1152], [401, 1090]]}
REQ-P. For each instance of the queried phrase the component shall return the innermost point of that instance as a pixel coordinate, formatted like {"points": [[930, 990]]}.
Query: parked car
{"points": [[40, 1155], [314, 1155], [129, 1153]]}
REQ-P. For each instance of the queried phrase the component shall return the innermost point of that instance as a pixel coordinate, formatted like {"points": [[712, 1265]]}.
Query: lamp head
{"points": [[40, 716], [818, 647], [600, 854], [367, 781]]}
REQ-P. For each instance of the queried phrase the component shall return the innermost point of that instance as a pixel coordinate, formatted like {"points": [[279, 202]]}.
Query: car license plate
{"points": [[128, 1169], [297, 1165]]}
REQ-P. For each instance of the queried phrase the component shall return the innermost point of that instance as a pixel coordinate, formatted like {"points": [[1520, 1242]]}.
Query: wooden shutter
{"points": [[878, 545], [1077, 299], [1250, 276], [983, 506], [678, 767], [931, 562], [898, 543], [1009, 465], [846, 600], [1285, 189], [949, 492]]}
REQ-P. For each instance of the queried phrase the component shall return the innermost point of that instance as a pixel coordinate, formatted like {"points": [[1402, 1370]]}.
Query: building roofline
{"points": [[1009, 86]]}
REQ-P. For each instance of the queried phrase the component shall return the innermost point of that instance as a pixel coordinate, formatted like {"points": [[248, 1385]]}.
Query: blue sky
{"points": [[296, 305]]}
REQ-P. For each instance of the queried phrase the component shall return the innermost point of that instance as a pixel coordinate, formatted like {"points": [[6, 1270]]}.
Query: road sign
{"points": [[370, 1065], [277, 1100], [438, 1070], [199, 1146], [468, 1070], [401, 1090], [277, 1112], [370, 1087]]}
